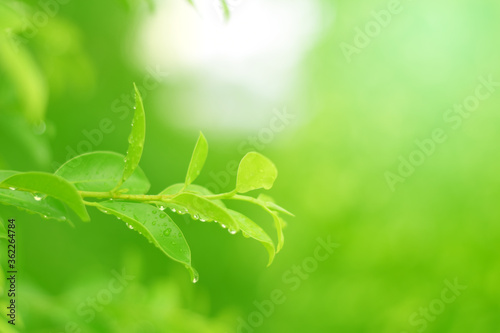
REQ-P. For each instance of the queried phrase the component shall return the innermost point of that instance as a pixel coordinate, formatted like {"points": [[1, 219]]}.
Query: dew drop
{"points": [[167, 232], [162, 208], [45, 217], [162, 216], [195, 216], [154, 211], [231, 231], [154, 222]]}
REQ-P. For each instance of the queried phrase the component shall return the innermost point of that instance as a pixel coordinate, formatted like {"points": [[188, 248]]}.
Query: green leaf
{"points": [[255, 171], [24, 74], [193, 188], [3, 231], [101, 172], [135, 139], [46, 207], [251, 229], [52, 185], [267, 201], [205, 210], [156, 226], [197, 160]]}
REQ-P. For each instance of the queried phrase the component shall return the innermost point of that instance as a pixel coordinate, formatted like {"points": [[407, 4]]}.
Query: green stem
{"points": [[118, 196]]}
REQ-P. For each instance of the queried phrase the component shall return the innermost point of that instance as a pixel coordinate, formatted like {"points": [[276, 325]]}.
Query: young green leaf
{"points": [[205, 210], [193, 188], [255, 171], [251, 229], [52, 185], [136, 139], [156, 226], [267, 201], [3, 231], [197, 160], [101, 172]]}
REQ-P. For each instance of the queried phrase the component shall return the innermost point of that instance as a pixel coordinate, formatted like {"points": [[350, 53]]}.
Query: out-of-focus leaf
{"points": [[3, 231], [25, 75], [49, 184], [255, 171], [101, 172], [225, 9], [156, 226]]}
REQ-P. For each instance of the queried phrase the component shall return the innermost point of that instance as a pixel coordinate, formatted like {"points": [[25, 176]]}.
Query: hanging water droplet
{"points": [[45, 216], [223, 225], [167, 232], [118, 218], [162, 208], [182, 212], [173, 210], [195, 216], [203, 220], [37, 197], [231, 231], [194, 274], [130, 227], [105, 211], [12, 188]]}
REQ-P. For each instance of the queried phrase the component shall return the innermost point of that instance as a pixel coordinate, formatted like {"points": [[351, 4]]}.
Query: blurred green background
{"points": [[346, 119]]}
